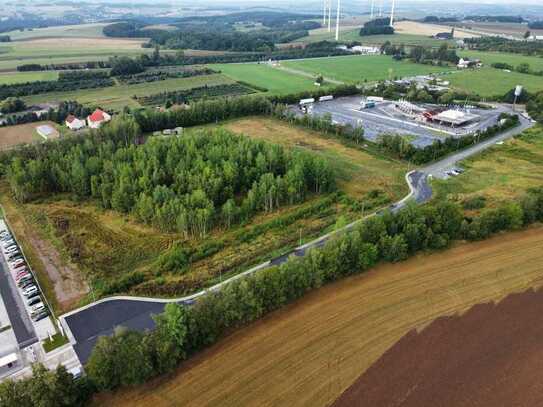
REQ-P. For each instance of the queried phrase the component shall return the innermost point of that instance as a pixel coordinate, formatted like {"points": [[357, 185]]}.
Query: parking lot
{"points": [[24, 314], [385, 118]]}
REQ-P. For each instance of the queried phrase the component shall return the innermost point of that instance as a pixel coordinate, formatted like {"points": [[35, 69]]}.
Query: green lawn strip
{"points": [[57, 341], [265, 76]]}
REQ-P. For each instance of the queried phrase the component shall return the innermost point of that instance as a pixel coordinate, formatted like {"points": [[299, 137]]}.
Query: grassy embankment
{"points": [[499, 174]]}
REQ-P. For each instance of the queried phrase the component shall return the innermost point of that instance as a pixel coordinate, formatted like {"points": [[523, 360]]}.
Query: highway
{"points": [[84, 325]]}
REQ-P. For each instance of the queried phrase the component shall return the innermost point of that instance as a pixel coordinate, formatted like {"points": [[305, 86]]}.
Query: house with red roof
{"points": [[97, 118], [73, 123]]}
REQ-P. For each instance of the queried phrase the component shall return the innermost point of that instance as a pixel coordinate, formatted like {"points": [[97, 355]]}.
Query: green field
{"points": [[488, 58], [116, 97], [262, 75], [500, 174], [20, 77], [356, 68], [488, 82], [67, 31]]}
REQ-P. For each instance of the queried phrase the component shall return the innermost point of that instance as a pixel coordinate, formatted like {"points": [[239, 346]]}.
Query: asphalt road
{"points": [[88, 323], [19, 319]]}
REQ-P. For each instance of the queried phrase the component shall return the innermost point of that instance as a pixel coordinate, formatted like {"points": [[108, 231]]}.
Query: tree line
{"points": [[313, 50], [33, 88], [189, 95], [431, 56], [187, 184]]}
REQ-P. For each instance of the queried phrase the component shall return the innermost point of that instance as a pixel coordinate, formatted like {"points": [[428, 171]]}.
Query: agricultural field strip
{"points": [[418, 189]]}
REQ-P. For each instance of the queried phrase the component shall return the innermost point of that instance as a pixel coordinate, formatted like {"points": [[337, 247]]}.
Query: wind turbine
{"points": [[372, 5], [381, 8], [329, 15], [324, 13], [392, 13], [337, 20]]}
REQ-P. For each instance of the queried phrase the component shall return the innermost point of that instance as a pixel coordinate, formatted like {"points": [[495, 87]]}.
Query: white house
{"points": [[73, 123], [97, 118], [366, 50]]}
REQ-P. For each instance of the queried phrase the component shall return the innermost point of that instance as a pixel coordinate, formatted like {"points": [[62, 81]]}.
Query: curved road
{"points": [[84, 325]]}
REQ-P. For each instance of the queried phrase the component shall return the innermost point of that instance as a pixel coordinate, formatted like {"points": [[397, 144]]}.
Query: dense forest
{"points": [[378, 26], [536, 25], [431, 56], [262, 31], [183, 184]]}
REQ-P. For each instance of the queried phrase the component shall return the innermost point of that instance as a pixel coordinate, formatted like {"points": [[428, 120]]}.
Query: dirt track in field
{"points": [[310, 352], [490, 357]]}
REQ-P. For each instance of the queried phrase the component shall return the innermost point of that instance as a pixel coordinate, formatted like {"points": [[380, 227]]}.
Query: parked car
{"points": [[14, 262], [39, 307], [33, 300], [34, 294], [30, 290], [14, 256], [10, 249], [26, 284], [21, 273], [23, 276], [38, 317], [19, 265], [8, 243]]}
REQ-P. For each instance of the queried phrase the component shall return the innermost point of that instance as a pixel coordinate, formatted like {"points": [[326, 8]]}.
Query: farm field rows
{"points": [[21, 77], [314, 349], [500, 174], [66, 31], [116, 97], [264, 76], [357, 68], [488, 82]]}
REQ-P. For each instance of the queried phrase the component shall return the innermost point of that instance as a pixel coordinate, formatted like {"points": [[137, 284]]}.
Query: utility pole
{"points": [[392, 13]]}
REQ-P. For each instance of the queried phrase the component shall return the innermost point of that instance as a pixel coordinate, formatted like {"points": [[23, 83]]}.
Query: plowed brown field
{"points": [[310, 352], [490, 357]]}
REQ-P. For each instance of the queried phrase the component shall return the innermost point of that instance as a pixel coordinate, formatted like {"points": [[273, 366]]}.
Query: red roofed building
{"points": [[96, 119], [74, 123]]}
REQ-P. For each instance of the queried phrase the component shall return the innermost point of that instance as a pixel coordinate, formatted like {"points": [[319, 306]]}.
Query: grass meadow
{"points": [[488, 82], [358, 68], [500, 174], [264, 76]]}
